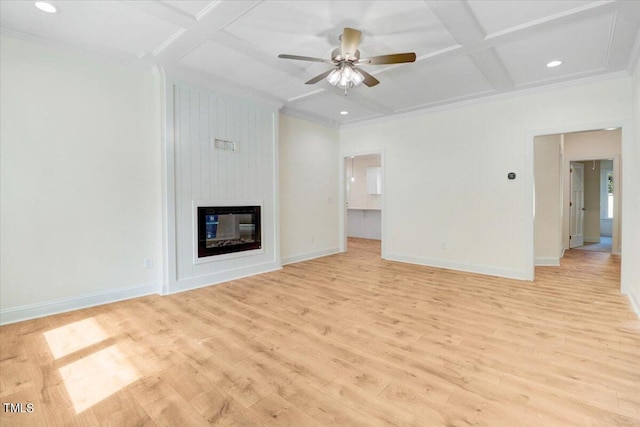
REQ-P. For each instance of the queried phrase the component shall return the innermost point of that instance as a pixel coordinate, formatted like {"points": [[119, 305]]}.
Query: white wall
{"points": [[631, 204], [594, 145], [80, 183], [448, 200], [308, 189], [548, 193], [212, 177]]}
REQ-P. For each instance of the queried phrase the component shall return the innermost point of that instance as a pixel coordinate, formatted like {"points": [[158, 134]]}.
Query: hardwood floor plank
{"points": [[274, 410], [385, 411], [322, 408], [120, 409], [150, 389], [174, 410], [348, 339]]}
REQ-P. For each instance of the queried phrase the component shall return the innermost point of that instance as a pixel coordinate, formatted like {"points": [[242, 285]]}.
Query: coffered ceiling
{"points": [[466, 50]]}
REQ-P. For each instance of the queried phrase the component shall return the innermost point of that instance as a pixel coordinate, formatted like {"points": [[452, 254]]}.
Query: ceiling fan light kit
{"points": [[345, 58], [345, 77]]}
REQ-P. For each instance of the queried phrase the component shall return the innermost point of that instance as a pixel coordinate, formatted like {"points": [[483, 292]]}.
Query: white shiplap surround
{"points": [[196, 171]]}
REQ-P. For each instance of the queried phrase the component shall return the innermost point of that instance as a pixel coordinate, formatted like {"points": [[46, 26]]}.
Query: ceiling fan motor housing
{"points": [[336, 55]]}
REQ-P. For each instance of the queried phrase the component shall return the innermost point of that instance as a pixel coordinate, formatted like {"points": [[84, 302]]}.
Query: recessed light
{"points": [[554, 63], [344, 113], [610, 128], [46, 7]]}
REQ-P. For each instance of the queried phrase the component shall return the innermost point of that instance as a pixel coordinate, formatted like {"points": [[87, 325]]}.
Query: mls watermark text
{"points": [[16, 408]]}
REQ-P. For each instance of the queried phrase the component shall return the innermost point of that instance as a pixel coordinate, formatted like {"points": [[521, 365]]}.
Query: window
{"points": [[609, 194], [606, 189]]}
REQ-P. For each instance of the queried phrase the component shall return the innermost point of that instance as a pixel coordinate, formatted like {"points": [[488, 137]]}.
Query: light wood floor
{"points": [[343, 340]]}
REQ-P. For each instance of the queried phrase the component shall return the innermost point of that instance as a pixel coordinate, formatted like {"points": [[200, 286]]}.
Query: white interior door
{"points": [[577, 205]]}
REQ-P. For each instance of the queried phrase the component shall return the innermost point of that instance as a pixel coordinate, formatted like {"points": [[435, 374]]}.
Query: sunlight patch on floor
{"points": [[75, 336], [95, 377]]}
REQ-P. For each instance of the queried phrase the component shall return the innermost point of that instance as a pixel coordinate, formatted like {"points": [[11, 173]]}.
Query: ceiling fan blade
{"points": [[319, 77], [350, 40], [369, 80], [395, 58], [304, 58]]}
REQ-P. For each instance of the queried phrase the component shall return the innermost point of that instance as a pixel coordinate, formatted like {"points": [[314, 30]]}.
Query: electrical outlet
{"points": [[148, 263], [443, 245], [313, 239], [330, 200]]}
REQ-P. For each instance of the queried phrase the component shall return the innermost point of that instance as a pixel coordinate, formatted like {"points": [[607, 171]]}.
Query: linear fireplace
{"points": [[228, 229]]}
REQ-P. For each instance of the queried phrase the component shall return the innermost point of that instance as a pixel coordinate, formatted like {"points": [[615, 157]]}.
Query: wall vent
{"points": [[221, 144]]}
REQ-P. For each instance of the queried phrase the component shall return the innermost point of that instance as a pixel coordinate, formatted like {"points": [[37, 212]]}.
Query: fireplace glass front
{"points": [[228, 229]]}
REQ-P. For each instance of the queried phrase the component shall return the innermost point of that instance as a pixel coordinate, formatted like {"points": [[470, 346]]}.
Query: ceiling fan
{"points": [[346, 60]]}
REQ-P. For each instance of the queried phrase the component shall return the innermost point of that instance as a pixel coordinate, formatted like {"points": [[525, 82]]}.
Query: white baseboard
{"points": [[309, 255], [635, 303], [547, 261], [562, 252], [221, 276], [32, 311], [469, 268]]}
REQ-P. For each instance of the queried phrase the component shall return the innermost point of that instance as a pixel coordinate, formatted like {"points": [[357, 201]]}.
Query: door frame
{"points": [[617, 196], [627, 152], [342, 198], [572, 166]]}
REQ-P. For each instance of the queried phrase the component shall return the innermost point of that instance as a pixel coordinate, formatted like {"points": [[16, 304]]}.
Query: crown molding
{"points": [[482, 99], [128, 61], [634, 57]]}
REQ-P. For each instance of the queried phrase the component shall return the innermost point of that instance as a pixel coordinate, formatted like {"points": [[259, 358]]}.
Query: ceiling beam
{"points": [[247, 49], [553, 22], [493, 69], [215, 18], [624, 36], [458, 18], [164, 11]]}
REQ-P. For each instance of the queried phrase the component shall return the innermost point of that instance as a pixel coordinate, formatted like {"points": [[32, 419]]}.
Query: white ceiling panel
{"points": [[526, 59], [109, 27], [403, 90], [498, 15], [191, 7], [313, 28], [465, 49], [331, 103], [218, 60]]}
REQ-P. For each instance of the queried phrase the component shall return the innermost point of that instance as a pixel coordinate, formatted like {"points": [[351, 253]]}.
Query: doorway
{"points": [[577, 201], [593, 230], [363, 192]]}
